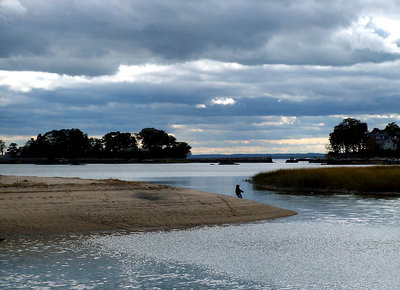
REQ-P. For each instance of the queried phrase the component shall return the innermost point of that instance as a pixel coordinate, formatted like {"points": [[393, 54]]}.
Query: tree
{"points": [[28, 149], [160, 144], [119, 144], [66, 143], [96, 147], [73, 143], [77, 143], [393, 130], [2, 146], [13, 150], [180, 150], [349, 136], [154, 140], [58, 143]]}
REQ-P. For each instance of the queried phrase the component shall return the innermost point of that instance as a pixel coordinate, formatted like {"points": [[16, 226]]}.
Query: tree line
{"points": [[351, 137], [73, 143]]}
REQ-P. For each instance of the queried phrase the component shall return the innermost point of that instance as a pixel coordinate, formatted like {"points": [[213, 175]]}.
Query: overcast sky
{"points": [[224, 76]]}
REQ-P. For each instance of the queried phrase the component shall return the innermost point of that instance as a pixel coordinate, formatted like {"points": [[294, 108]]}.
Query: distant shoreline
{"points": [[80, 161], [217, 159], [42, 206]]}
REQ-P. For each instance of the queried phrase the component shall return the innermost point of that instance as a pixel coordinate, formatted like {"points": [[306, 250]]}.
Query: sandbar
{"points": [[43, 206]]}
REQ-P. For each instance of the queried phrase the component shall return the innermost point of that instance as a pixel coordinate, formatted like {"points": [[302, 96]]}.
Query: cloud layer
{"points": [[225, 76]]}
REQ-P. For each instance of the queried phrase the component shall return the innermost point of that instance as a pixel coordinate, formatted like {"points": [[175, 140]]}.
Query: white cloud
{"points": [[196, 130], [208, 65], [225, 101], [379, 35], [201, 106], [8, 7], [295, 98], [177, 126], [19, 139], [138, 73], [276, 121], [25, 81], [389, 25]]}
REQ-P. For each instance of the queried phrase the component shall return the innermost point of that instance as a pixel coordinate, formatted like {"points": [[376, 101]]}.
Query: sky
{"points": [[225, 76]]}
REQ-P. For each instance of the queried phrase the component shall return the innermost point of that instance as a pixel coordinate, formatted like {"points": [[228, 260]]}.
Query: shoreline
{"points": [[46, 206]]}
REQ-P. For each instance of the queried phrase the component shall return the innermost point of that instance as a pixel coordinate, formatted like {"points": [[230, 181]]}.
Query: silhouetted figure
{"points": [[238, 191]]}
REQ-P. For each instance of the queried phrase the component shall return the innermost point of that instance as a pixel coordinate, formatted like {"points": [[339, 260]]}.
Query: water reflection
{"points": [[281, 254], [341, 208], [337, 208], [336, 242]]}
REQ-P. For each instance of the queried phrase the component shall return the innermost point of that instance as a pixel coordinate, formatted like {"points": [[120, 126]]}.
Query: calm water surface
{"points": [[336, 242]]}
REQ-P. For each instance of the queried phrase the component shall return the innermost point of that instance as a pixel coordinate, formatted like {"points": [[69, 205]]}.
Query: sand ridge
{"points": [[35, 206]]}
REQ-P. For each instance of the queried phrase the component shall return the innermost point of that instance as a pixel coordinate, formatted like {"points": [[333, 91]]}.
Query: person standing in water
{"points": [[238, 191]]}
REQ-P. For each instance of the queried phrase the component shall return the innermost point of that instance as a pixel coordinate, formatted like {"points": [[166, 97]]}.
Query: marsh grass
{"points": [[374, 179]]}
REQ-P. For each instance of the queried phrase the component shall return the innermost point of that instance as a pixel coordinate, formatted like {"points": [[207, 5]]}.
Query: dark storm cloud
{"points": [[95, 37], [227, 73], [132, 106]]}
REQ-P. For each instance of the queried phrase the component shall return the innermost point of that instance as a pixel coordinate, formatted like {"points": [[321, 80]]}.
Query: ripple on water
{"points": [[336, 242], [289, 255], [286, 254]]}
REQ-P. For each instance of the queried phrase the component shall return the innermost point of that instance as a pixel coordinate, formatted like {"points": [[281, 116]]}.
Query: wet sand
{"points": [[40, 206]]}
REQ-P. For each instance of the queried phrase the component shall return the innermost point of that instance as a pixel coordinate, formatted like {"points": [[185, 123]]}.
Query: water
{"points": [[336, 242]]}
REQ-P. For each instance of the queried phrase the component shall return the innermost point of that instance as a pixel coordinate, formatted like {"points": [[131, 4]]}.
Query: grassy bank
{"points": [[375, 179]]}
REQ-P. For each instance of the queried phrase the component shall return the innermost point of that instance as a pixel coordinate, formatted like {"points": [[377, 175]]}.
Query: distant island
{"points": [[72, 144]]}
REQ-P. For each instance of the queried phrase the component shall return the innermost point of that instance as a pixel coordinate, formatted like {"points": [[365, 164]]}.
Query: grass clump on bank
{"points": [[374, 179]]}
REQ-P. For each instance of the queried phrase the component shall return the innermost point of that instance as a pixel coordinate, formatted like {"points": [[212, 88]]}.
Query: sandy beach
{"points": [[37, 206]]}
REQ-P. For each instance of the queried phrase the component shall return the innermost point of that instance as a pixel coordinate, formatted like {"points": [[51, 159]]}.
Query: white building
{"points": [[383, 140]]}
